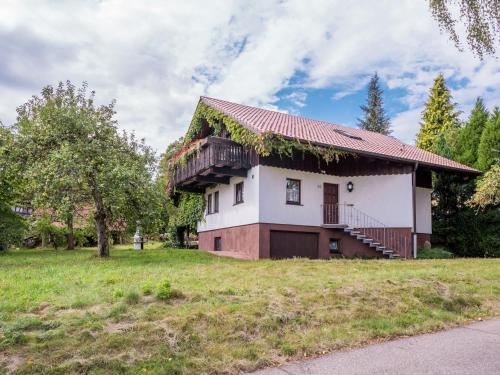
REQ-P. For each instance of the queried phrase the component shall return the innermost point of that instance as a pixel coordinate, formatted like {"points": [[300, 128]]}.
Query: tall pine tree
{"points": [[470, 135], [439, 116], [459, 228], [489, 146], [375, 119]]}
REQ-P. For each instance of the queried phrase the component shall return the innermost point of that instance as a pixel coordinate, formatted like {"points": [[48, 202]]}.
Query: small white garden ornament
{"points": [[138, 241]]}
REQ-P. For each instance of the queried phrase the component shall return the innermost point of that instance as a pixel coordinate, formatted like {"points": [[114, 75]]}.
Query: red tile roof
{"points": [[323, 133]]}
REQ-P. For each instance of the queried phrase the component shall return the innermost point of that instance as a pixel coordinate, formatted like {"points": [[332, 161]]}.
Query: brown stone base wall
{"points": [[253, 241], [421, 238], [238, 242], [349, 246]]}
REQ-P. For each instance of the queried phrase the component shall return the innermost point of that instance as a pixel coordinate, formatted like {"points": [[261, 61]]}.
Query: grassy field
{"points": [[70, 312]]}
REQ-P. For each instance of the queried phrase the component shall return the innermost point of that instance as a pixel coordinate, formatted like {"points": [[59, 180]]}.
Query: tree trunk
{"points": [[100, 220], [71, 235], [102, 239]]}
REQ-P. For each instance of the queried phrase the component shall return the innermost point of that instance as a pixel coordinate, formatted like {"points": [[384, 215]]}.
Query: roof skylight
{"points": [[347, 134]]}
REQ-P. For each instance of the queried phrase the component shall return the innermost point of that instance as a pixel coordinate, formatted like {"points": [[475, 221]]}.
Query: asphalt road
{"points": [[472, 349]]}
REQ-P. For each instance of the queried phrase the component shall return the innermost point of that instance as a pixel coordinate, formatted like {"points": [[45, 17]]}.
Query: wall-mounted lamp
{"points": [[350, 186]]}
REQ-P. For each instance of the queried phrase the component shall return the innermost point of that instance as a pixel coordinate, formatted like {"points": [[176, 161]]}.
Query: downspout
{"points": [[414, 196]]}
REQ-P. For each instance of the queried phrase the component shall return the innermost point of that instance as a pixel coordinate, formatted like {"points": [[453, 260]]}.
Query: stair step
{"points": [[334, 226], [387, 253]]}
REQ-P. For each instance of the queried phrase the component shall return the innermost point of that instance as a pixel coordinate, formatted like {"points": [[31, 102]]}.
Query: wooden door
{"points": [[293, 244], [330, 203]]}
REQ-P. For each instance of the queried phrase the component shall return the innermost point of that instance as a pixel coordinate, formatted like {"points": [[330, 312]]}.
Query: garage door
{"points": [[294, 244]]}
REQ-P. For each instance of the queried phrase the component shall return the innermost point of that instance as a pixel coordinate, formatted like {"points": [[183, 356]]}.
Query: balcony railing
{"points": [[349, 216], [213, 153]]}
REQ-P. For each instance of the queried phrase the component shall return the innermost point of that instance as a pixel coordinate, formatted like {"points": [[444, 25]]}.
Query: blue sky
{"points": [[312, 58], [321, 104]]}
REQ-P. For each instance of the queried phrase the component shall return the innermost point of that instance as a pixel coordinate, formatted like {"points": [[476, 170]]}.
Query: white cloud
{"points": [[297, 98], [405, 124], [156, 58]]}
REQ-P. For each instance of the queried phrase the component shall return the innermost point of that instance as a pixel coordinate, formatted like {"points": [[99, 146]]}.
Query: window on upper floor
{"points": [[209, 204], [216, 202], [292, 191], [238, 193]]}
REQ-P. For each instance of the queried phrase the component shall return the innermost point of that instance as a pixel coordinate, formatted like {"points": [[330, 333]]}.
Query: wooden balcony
{"points": [[216, 162]]}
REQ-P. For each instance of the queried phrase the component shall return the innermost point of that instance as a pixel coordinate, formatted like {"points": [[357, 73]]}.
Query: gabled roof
{"points": [[318, 132]]}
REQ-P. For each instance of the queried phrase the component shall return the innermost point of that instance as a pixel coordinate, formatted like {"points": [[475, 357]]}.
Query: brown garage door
{"points": [[294, 244]]}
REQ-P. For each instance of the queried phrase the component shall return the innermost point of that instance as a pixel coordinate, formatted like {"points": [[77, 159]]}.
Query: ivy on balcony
{"points": [[265, 143]]}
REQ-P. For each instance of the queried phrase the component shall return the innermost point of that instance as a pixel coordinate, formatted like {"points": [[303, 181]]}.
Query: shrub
{"points": [[434, 253], [163, 290], [118, 310], [132, 298], [118, 293], [458, 304], [287, 349], [147, 289], [78, 304], [50, 325], [13, 338], [26, 324]]}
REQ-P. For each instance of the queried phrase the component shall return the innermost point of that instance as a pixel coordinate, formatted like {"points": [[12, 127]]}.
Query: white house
{"points": [[374, 201]]}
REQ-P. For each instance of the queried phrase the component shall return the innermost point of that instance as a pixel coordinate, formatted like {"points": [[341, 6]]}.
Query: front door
{"points": [[330, 203]]}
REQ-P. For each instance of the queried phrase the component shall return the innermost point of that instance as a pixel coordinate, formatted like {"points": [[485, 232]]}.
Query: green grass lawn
{"points": [[70, 312]]}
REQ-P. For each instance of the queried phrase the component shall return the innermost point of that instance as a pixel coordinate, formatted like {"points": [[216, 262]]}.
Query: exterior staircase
{"points": [[389, 242], [357, 234]]}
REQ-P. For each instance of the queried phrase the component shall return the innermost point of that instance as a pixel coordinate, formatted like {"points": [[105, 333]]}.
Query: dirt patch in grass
{"points": [[119, 327], [70, 312], [80, 312], [148, 299], [10, 363], [43, 308]]}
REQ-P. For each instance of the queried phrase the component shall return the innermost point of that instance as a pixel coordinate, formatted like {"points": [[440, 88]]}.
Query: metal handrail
{"points": [[347, 214]]}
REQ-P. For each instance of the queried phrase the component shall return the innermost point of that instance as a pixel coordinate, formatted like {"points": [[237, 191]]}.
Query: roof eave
{"points": [[395, 158], [470, 171]]}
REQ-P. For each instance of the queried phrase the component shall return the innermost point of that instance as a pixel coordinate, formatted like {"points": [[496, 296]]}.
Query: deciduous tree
{"points": [[63, 135], [480, 17], [488, 189], [184, 209], [12, 225]]}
